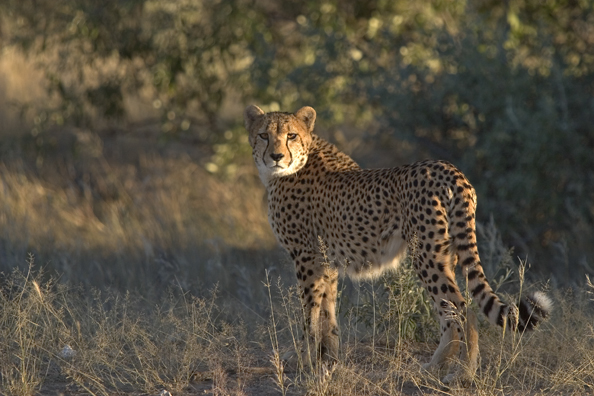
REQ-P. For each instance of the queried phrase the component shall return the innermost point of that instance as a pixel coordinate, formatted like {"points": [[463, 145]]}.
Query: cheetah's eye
{"points": [[291, 136], [263, 136]]}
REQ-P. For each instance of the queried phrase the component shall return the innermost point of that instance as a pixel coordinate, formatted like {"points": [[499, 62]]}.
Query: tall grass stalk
{"points": [[276, 358]]}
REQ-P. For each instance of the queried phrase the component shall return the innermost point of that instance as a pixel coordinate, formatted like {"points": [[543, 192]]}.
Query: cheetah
{"points": [[368, 219]]}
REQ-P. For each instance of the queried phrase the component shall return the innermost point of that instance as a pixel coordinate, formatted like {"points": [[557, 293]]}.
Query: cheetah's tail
{"points": [[531, 310]]}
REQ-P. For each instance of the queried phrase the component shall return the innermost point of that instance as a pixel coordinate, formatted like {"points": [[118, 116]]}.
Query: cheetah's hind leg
{"points": [[469, 351], [457, 353]]}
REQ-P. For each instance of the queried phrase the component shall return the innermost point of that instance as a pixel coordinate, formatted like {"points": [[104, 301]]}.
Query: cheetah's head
{"points": [[280, 141]]}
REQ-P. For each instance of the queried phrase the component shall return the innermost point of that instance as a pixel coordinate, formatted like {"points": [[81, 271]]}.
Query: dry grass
{"points": [[385, 358], [117, 193], [57, 339], [120, 212], [108, 343]]}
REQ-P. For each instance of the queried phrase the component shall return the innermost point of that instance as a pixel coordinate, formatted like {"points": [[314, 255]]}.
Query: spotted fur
{"points": [[367, 219]]}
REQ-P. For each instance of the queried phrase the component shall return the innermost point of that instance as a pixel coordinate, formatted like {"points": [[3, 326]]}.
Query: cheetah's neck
{"points": [[323, 157], [328, 156]]}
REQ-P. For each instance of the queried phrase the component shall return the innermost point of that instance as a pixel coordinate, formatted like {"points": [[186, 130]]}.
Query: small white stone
{"points": [[67, 352]]}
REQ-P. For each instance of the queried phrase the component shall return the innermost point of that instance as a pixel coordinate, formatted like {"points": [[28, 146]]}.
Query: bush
{"points": [[503, 90]]}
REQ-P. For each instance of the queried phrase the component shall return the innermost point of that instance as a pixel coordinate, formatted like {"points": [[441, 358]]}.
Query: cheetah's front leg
{"points": [[318, 285]]}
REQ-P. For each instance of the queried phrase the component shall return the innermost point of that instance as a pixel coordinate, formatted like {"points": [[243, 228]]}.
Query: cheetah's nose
{"points": [[277, 157]]}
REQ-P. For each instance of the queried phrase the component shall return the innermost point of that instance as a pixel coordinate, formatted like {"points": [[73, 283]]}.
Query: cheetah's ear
{"points": [[251, 114], [308, 116]]}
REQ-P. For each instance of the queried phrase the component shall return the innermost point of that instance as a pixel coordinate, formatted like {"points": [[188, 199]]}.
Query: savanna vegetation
{"points": [[134, 246]]}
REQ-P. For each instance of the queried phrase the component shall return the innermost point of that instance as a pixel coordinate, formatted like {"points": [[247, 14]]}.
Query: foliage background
{"points": [[131, 112]]}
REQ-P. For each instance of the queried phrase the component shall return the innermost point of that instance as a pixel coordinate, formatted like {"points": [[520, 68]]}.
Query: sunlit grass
{"points": [[130, 216]]}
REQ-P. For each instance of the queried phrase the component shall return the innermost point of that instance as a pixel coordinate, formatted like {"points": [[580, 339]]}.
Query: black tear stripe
{"points": [[265, 151], [290, 153]]}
